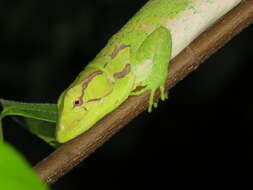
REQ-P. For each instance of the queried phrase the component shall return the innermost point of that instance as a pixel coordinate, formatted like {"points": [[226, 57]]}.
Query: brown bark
{"points": [[70, 154]]}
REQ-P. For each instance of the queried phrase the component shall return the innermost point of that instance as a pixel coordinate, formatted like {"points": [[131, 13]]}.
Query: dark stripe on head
{"points": [[117, 49], [98, 99], [85, 85], [124, 72], [94, 100]]}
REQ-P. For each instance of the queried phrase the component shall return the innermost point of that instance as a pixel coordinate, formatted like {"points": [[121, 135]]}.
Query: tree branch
{"points": [[70, 154]]}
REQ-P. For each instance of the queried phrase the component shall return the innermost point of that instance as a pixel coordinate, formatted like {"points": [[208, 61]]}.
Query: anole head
{"points": [[82, 104], [94, 93]]}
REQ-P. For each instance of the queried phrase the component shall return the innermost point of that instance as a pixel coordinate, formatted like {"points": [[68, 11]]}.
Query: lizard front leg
{"points": [[152, 62]]}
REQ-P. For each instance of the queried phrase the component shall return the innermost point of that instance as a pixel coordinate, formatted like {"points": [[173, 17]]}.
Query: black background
{"points": [[201, 137]]}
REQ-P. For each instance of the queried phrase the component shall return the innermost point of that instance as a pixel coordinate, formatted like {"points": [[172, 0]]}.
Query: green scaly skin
{"points": [[137, 56]]}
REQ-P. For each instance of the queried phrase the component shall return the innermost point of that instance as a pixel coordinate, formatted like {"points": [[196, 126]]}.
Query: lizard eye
{"points": [[77, 102]]}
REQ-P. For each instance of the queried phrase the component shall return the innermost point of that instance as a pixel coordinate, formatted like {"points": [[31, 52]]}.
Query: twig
{"points": [[70, 154]]}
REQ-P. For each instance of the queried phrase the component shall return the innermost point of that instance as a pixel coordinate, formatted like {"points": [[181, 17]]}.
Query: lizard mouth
{"points": [[67, 131]]}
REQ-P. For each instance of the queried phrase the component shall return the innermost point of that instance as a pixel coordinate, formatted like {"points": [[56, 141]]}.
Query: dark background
{"points": [[201, 137]]}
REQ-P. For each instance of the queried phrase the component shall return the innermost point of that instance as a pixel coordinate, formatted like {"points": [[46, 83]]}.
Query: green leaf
{"points": [[39, 119], [43, 129], [1, 131], [15, 173], [45, 112]]}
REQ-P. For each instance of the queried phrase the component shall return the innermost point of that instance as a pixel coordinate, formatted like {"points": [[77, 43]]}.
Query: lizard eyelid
{"points": [[78, 102]]}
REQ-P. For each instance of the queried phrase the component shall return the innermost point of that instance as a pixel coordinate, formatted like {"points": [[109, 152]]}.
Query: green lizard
{"points": [[138, 55], [135, 60]]}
